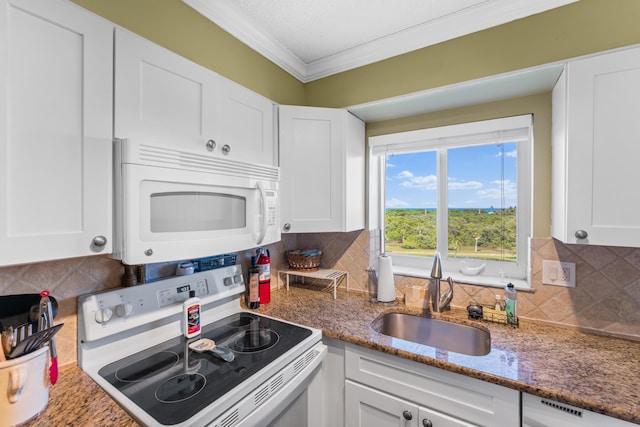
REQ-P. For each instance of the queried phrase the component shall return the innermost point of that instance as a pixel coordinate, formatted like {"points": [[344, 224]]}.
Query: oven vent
{"points": [[277, 383], [230, 420], [265, 391], [308, 358], [563, 408], [261, 395], [303, 361], [298, 366]]}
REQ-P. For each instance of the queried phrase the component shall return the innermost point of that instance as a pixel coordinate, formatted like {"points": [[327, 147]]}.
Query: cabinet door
{"points": [[246, 124], [163, 98], [366, 407], [448, 393], [55, 119], [602, 150], [430, 418], [321, 169]]}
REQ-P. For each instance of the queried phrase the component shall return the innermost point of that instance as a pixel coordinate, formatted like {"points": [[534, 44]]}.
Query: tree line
{"points": [[416, 228]]}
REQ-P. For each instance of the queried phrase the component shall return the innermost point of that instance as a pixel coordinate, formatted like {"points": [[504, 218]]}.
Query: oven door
{"points": [[299, 402], [171, 214]]}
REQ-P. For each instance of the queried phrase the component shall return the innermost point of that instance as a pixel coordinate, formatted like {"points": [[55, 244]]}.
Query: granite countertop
{"points": [[76, 400], [593, 372], [589, 371]]}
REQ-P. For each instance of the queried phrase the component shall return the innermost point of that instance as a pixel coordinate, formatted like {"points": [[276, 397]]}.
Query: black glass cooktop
{"points": [[172, 382]]}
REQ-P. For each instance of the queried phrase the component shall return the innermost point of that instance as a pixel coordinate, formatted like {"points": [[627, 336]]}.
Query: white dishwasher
{"points": [[539, 412]]}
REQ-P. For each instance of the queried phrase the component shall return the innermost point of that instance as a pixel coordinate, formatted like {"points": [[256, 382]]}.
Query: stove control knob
{"points": [[124, 309], [103, 315], [227, 281]]}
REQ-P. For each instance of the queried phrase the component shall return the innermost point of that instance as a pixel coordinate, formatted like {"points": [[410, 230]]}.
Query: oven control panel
{"points": [[107, 313], [180, 292]]}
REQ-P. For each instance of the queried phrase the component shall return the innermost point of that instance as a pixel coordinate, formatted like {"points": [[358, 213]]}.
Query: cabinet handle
{"points": [[148, 252], [211, 145], [286, 227], [426, 422], [226, 149], [407, 415], [581, 234], [98, 243]]}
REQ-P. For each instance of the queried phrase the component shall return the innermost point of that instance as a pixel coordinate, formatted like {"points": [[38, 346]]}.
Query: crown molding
{"points": [[484, 15], [234, 23]]}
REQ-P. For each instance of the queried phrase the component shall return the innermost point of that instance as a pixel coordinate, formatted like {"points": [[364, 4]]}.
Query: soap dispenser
{"points": [[510, 304]]}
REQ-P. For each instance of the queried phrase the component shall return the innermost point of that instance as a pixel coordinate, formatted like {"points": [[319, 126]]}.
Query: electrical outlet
{"points": [[559, 273]]}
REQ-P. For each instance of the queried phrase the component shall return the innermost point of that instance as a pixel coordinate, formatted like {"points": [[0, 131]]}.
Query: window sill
{"points": [[488, 281]]}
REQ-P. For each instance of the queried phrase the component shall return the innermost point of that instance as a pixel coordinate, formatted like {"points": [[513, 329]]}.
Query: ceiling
{"points": [[312, 39]]}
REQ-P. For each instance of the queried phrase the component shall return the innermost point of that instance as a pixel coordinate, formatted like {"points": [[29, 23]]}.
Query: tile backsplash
{"points": [[606, 298], [66, 279]]}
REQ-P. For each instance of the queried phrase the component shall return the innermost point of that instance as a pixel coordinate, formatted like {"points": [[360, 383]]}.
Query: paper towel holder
{"points": [[386, 289]]}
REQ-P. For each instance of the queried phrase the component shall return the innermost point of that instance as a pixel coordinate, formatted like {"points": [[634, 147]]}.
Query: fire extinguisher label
{"points": [[264, 272]]}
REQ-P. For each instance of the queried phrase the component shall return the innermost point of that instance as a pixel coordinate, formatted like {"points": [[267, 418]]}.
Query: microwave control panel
{"points": [[272, 208]]}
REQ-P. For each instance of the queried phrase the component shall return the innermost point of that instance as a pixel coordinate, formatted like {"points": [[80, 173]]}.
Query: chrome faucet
{"points": [[439, 303]]}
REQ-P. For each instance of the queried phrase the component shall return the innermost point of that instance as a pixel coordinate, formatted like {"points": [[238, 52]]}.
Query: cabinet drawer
{"points": [[468, 399]]}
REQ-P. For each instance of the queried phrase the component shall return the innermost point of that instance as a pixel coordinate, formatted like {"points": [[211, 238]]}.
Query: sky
{"points": [[475, 178]]}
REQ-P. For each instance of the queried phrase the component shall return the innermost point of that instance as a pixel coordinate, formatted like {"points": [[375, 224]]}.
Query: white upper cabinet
{"points": [[55, 120], [321, 169], [596, 147], [161, 97], [247, 124], [164, 98]]}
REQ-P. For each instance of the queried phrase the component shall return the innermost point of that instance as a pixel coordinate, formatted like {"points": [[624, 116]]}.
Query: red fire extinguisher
{"points": [[264, 276]]}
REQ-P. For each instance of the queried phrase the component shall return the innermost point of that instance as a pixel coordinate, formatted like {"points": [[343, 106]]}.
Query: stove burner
{"points": [[180, 388], [147, 367], [240, 321], [253, 341]]}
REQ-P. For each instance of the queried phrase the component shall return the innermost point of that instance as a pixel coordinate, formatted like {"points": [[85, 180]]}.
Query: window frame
{"points": [[440, 139]]}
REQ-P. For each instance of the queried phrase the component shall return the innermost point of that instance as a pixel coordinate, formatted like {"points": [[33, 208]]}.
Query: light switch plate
{"points": [[559, 273]]}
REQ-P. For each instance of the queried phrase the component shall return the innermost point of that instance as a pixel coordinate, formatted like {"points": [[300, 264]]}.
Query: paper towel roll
{"points": [[386, 287]]}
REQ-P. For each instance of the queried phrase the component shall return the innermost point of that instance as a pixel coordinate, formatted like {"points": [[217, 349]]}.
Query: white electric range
{"points": [[130, 342]]}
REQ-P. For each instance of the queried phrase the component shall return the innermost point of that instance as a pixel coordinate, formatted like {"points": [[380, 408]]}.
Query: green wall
{"points": [[176, 26], [576, 29], [581, 28]]}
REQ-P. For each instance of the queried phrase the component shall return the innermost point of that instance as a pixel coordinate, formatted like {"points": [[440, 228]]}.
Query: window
{"points": [[461, 190]]}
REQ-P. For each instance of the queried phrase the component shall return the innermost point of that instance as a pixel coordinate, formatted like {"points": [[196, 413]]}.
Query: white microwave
{"points": [[174, 204]]}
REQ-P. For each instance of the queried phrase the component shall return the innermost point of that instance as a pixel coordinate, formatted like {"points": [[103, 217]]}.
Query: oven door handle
{"points": [[263, 199]]}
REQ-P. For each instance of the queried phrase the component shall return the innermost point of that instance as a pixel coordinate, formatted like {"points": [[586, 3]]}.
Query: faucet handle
{"points": [[448, 296]]}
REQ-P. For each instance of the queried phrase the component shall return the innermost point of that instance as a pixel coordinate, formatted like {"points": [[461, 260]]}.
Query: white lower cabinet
{"points": [[369, 407], [540, 412], [386, 390], [333, 383]]}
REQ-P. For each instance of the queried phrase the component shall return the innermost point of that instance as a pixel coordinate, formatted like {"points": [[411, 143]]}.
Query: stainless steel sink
{"points": [[441, 334]]}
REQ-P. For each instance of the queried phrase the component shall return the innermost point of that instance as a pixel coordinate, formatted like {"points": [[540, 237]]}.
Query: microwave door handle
{"points": [[263, 197]]}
